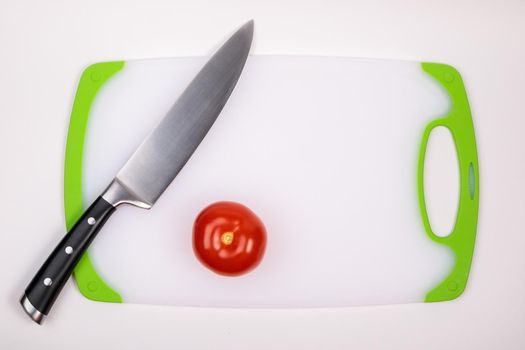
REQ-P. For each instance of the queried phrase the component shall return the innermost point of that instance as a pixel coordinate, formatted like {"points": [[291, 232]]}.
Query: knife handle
{"points": [[45, 287]]}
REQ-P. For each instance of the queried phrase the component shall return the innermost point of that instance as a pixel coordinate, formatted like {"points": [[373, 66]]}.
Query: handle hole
{"points": [[441, 180], [471, 181]]}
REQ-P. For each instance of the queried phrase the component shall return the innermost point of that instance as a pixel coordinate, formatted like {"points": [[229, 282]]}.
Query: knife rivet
{"points": [[68, 250], [91, 220], [48, 281]]}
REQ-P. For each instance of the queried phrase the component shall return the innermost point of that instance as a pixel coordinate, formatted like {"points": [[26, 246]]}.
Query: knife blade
{"points": [[150, 170]]}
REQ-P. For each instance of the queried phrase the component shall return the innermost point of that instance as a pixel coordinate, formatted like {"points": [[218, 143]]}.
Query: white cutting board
{"points": [[324, 150]]}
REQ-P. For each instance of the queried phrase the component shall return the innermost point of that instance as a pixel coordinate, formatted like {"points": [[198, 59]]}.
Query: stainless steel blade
{"points": [[166, 150]]}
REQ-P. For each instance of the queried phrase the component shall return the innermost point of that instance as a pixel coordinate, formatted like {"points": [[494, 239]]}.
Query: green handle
{"points": [[91, 285], [462, 238]]}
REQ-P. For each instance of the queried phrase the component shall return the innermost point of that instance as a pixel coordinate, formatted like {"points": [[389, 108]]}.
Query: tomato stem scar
{"points": [[227, 238]]}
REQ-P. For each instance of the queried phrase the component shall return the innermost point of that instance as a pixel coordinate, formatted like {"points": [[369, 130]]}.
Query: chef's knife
{"points": [[150, 169]]}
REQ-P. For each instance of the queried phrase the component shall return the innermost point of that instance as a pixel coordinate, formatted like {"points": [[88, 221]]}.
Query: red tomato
{"points": [[229, 238]]}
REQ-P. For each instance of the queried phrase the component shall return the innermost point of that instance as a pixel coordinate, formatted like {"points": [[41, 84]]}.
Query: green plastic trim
{"points": [[93, 78], [462, 238]]}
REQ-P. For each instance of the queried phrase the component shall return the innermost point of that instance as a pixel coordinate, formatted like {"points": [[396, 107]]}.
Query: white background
{"points": [[44, 45]]}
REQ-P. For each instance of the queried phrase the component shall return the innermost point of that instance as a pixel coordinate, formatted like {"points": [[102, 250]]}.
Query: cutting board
{"points": [[338, 158]]}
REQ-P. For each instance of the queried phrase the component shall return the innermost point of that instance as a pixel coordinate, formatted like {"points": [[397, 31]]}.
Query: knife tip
{"points": [[249, 25]]}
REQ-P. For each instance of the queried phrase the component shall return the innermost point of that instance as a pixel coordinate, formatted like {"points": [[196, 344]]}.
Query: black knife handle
{"points": [[45, 287]]}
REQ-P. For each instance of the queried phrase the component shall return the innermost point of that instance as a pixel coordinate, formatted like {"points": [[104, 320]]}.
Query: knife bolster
{"points": [[117, 193]]}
